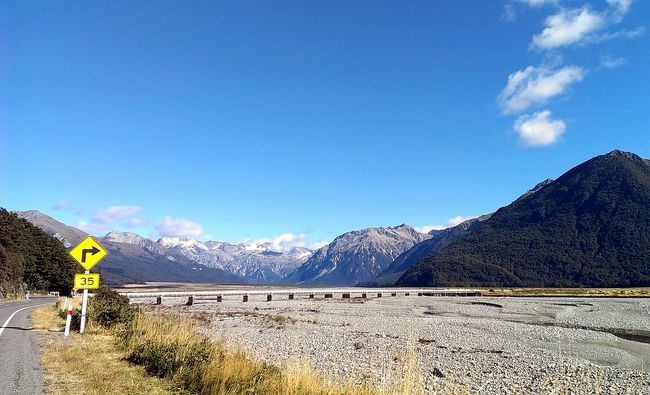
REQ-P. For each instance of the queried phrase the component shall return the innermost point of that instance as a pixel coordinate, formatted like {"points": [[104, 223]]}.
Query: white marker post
{"points": [[68, 321], [84, 302]]}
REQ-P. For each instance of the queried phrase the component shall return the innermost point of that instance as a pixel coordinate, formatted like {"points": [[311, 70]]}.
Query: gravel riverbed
{"points": [[446, 344]]}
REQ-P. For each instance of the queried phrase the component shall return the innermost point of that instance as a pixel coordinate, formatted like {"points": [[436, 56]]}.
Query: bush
{"points": [[109, 308]]}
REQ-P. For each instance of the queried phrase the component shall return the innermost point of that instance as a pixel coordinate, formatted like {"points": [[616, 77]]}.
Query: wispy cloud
{"points": [[619, 8], [115, 213], [606, 36], [610, 62], [282, 243], [92, 228], [109, 218], [509, 13], [539, 129], [537, 3], [457, 220], [176, 227], [136, 222], [536, 85]]}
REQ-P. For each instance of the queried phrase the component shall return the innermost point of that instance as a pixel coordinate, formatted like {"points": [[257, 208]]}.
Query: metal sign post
{"points": [[84, 307], [88, 253]]}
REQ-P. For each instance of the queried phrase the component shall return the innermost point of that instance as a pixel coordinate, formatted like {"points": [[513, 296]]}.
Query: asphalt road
{"points": [[20, 368]]}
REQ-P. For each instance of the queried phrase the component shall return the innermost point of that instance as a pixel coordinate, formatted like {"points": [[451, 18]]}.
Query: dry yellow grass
{"points": [[170, 346], [90, 363], [131, 360], [46, 318], [75, 302]]}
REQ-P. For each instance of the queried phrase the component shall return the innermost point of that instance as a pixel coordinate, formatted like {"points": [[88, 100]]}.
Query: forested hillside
{"points": [[30, 259], [590, 227]]}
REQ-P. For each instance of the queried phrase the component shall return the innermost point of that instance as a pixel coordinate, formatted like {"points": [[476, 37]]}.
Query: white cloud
{"points": [[539, 129], [318, 245], [171, 227], [619, 34], [568, 27], [535, 85], [136, 222], [282, 243], [509, 13], [610, 62], [620, 8], [115, 213], [448, 224], [92, 228], [537, 3]]}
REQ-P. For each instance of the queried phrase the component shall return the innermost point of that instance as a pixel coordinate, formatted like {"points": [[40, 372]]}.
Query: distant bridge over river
{"points": [[270, 294]]}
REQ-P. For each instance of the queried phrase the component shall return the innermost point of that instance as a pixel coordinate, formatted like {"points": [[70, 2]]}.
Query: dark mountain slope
{"points": [[590, 227], [439, 240], [32, 258]]}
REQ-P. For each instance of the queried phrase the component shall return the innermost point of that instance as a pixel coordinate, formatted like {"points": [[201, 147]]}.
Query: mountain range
{"points": [[588, 228], [132, 258], [258, 262], [357, 256], [351, 258]]}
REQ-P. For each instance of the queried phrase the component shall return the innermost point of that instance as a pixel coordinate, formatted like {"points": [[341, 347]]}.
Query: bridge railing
{"points": [[327, 293]]}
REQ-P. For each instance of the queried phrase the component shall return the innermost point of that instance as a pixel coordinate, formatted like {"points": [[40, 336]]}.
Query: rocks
{"points": [[437, 373], [527, 346]]}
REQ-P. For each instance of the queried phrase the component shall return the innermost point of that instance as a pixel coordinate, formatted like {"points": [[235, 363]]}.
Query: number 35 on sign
{"points": [[86, 281]]}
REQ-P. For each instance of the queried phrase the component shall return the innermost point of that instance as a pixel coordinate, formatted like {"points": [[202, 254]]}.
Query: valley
{"points": [[441, 344]]}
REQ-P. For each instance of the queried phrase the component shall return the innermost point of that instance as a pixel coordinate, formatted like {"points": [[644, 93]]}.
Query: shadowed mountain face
{"points": [[439, 240], [590, 227], [133, 259], [68, 235], [357, 256]]}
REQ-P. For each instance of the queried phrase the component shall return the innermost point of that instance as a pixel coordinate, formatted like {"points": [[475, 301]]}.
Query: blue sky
{"points": [[299, 121]]}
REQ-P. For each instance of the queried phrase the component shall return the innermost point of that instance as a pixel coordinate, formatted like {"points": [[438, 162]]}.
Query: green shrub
{"points": [[109, 308]]}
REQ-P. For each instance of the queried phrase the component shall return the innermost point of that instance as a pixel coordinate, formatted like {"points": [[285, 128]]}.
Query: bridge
{"points": [[292, 293]]}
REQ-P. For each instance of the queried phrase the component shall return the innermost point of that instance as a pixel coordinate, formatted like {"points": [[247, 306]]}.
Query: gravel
{"points": [[465, 344]]}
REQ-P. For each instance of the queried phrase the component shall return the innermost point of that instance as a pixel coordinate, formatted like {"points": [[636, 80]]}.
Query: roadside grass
{"points": [[46, 318], [75, 302], [575, 292], [162, 354], [171, 348], [90, 363]]}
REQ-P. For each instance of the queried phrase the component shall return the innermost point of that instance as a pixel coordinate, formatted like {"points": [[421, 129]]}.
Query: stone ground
{"points": [[465, 344]]}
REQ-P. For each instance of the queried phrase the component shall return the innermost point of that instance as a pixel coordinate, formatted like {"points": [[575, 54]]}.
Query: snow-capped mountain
{"points": [[357, 256], [132, 258], [256, 262], [136, 239]]}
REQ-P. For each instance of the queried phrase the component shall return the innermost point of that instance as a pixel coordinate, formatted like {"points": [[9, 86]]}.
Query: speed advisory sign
{"points": [[86, 281]]}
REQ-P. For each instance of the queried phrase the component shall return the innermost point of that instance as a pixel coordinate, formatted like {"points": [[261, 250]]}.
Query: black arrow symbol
{"points": [[91, 251]]}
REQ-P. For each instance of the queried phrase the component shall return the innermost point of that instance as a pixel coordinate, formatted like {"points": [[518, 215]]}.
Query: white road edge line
{"points": [[2, 329]]}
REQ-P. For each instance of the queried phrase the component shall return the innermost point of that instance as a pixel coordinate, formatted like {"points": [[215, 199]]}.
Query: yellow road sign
{"points": [[88, 253], [86, 281]]}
